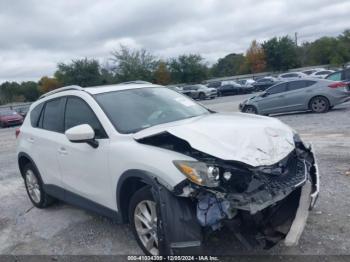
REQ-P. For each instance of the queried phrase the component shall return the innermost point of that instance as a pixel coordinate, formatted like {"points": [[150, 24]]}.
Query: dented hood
{"points": [[254, 140]]}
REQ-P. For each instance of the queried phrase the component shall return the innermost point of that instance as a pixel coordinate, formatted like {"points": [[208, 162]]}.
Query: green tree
{"points": [[133, 64], [162, 74], [188, 69], [228, 66], [82, 72], [281, 54], [10, 92], [30, 90], [328, 50]]}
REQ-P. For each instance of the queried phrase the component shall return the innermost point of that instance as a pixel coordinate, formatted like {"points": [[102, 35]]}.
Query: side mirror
{"points": [[82, 134], [265, 94]]}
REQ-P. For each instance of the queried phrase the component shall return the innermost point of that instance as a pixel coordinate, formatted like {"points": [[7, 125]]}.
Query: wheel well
{"points": [[309, 104], [22, 162], [127, 189]]}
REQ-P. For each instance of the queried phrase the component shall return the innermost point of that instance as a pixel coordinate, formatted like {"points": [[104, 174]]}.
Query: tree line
{"points": [[125, 64]]}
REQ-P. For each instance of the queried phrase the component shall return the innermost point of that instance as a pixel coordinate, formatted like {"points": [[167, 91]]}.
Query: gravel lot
{"points": [[63, 229]]}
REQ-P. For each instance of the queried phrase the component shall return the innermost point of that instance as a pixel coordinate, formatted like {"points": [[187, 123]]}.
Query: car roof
{"points": [[118, 87]]}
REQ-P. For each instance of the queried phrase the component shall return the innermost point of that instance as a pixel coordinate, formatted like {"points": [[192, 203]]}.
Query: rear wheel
{"points": [[34, 187], [143, 218], [319, 104], [250, 110]]}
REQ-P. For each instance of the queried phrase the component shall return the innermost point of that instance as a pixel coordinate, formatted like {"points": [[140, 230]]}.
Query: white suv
{"points": [[147, 155]]}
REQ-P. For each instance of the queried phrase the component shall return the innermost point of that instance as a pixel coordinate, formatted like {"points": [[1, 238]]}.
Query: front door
{"points": [[85, 170], [274, 100]]}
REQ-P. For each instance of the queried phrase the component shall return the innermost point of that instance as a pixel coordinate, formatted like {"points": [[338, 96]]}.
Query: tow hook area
{"points": [[264, 228], [211, 210]]}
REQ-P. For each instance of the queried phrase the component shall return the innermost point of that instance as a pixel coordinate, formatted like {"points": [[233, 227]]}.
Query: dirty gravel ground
{"points": [[63, 229]]}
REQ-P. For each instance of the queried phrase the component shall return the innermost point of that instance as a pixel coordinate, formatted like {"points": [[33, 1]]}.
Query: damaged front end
{"points": [[261, 205]]}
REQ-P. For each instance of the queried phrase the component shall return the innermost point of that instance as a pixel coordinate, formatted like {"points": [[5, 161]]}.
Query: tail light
{"points": [[338, 84], [17, 132]]}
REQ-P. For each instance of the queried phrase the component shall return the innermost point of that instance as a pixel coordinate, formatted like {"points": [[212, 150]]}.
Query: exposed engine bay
{"points": [[261, 204]]}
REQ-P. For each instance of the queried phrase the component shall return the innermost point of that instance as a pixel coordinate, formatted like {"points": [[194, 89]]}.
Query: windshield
{"points": [[136, 109]]}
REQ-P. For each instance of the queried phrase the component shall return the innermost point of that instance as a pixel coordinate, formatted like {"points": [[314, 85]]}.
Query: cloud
{"points": [[36, 35]]}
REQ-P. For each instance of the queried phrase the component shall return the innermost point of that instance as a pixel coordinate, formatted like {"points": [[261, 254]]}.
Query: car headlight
{"points": [[199, 173]]}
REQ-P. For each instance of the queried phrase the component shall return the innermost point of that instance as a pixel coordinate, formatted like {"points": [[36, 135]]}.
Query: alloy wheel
{"points": [[33, 186], [250, 110], [319, 105], [145, 219]]}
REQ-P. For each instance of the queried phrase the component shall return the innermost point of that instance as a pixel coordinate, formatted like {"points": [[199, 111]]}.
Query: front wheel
{"points": [[201, 96], [143, 218], [319, 104], [250, 110]]}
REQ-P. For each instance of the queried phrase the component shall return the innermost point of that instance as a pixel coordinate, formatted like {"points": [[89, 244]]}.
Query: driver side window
{"points": [[277, 89], [78, 112]]}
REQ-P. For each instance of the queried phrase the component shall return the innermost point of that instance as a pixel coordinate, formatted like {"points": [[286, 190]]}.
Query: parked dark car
{"points": [[10, 118], [342, 75], [200, 92], [263, 83], [230, 89]]}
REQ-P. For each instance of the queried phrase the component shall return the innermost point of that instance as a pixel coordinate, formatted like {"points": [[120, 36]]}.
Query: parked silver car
{"points": [[200, 92], [317, 95]]}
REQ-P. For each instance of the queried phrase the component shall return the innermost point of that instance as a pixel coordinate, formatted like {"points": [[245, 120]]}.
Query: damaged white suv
{"points": [[147, 155]]}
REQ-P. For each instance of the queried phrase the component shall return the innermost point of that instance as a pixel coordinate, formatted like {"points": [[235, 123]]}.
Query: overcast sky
{"points": [[36, 34]]}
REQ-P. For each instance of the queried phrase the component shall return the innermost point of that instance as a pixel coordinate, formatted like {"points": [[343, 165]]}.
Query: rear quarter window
{"points": [[35, 115]]}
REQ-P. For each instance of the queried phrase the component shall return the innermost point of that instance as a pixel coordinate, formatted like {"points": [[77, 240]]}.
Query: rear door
{"points": [[274, 101], [45, 138]]}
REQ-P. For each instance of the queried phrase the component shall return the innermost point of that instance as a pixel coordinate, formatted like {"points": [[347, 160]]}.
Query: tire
{"points": [[143, 205], [219, 94], [34, 187], [319, 104], [250, 110], [201, 96]]}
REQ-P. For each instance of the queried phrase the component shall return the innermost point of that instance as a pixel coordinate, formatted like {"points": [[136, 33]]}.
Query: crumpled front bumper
{"points": [[308, 198], [316, 183]]}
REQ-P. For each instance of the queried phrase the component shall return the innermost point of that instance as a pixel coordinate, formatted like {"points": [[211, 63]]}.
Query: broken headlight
{"points": [[199, 173]]}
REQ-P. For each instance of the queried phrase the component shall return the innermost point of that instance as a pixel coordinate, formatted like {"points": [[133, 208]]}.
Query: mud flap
{"points": [[178, 228], [299, 221]]}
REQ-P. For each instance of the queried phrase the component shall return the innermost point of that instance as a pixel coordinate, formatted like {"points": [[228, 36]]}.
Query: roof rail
{"points": [[61, 89], [135, 82]]}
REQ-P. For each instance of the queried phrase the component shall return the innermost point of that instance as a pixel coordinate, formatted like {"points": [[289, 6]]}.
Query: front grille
{"points": [[293, 176]]}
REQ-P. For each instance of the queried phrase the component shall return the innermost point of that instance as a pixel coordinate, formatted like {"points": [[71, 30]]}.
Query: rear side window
{"points": [[277, 89], [295, 85], [52, 117], [78, 112], [35, 115], [335, 76], [289, 75]]}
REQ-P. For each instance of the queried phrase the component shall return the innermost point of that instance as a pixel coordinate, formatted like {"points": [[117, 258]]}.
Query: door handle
{"points": [[62, 151], [30, 140]]}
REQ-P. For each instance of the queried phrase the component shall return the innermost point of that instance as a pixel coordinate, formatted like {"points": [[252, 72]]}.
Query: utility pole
{"points": [[296, 38]]}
